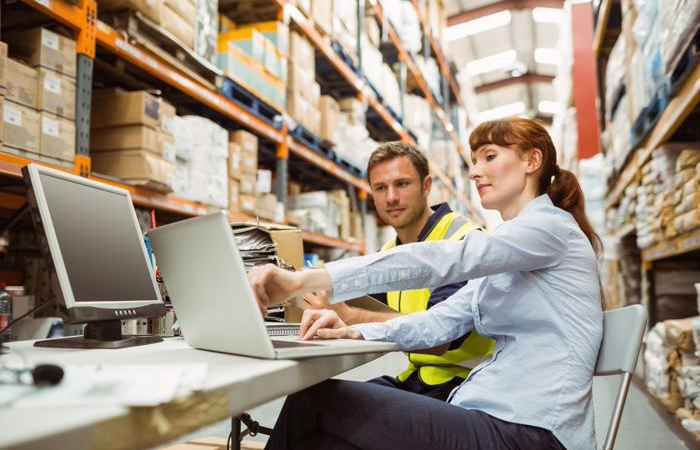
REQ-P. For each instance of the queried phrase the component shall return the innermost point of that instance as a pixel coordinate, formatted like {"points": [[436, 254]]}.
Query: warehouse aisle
{"points": [[641, 429]]}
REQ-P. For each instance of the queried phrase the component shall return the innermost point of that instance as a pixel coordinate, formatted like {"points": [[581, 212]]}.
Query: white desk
{"points": [[233, 385]]}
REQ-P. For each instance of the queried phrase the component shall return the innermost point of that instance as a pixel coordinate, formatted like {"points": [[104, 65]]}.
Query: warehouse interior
{"points": [[266, 114]]}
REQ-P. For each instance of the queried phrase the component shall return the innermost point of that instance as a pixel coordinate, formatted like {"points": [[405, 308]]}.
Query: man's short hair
{"points": [[391, 150]]}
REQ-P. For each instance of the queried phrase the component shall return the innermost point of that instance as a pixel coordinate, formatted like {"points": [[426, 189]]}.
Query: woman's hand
{"points": [[272, 284], [326, 324]]}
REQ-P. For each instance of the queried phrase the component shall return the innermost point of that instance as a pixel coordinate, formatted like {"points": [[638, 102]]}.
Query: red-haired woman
{"points": [[535, 290]]}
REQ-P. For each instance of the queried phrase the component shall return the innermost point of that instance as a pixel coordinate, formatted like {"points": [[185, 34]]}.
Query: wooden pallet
{"points": [[249, 100], [165, 45]]}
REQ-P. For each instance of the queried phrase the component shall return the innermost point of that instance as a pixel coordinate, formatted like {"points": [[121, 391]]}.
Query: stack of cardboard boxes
{"points": [[242, 170], [132, 139], [303, 92], [39, 109], [326, 212], [255, 56], [177, 17]]}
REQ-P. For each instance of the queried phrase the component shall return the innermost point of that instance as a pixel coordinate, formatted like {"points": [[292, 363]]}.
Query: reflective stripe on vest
{"points": [[435, 370]]}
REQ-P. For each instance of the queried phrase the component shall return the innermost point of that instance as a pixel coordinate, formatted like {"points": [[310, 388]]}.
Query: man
{"points": [[400, 180]]}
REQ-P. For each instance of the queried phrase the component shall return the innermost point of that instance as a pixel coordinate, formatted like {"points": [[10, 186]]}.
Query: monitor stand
{"points": [[103, 334]]}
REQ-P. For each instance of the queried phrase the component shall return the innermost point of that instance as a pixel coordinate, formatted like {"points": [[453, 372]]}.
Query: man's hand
{"points": [[273, 285], [326, 324]]}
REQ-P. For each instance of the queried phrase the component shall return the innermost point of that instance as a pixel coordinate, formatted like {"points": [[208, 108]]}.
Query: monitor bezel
{"points": [[86, 310]]}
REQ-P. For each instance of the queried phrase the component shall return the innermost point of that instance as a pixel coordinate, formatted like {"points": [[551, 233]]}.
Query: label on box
{"points": [[49, 39], [236, 161], [12, 115], [169, 151], [151, 108], [50, 127], [52, 84], [249, 162], [168, 124], [248, 205], [247, 186]]}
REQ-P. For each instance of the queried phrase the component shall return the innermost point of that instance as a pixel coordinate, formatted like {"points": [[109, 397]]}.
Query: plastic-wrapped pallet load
{"points": [[678, 21], [419, 119], [206, 29], [204, 175], [345, 27]]}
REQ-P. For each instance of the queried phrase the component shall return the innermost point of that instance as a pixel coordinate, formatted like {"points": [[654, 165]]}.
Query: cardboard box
{"points": [[247, 184], [298, 108], [183, 8], [330, 111], [125, 108], [45, 48], [263, 181], [167, 118], [3, 68], [234, 195], [322, 13], [130, 137], [234, 161], [300, 79], [266, 206], [149, 8], [22, 83], [246, 204], [249, 150], [136, 167], [21, 127], [2, 128], [56, 94], [301, 52], [57, 137], [168, 146], [179, 27]]}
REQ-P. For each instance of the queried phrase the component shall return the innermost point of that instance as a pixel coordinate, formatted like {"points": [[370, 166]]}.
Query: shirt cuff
{"points": [[375, 331], [349, 280]]}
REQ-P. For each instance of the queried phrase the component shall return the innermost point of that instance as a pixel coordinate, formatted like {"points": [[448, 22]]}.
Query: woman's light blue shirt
{"points": [[534, 289]]}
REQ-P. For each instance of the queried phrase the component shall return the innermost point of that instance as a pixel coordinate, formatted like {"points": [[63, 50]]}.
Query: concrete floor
{"points": [[641, 426]]}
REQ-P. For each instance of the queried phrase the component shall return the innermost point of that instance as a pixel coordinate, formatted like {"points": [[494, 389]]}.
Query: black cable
{"points": [[14, 321]]}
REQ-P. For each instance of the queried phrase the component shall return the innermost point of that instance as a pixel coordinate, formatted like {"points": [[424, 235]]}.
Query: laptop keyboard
{"points": [[289, 344], [283, 330]]}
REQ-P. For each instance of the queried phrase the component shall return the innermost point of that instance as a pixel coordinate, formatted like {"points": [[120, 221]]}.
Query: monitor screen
{"points": [[99, 242]]}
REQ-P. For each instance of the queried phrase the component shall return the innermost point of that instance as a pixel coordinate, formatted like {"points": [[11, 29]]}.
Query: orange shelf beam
{"points": [[322, 239]]}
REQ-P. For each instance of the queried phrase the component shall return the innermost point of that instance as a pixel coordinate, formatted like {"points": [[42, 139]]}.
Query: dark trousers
{"points": [[415, 385], [340, 415]]}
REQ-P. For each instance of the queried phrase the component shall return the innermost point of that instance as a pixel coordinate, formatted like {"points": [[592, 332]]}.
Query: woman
{"points": [[536, 292]]}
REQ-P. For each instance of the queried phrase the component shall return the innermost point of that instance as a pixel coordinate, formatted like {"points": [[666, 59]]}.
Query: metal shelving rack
{"points": [[90, 32]]}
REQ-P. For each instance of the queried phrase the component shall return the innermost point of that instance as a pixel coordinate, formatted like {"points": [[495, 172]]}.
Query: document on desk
{"points": [[114, 385]]}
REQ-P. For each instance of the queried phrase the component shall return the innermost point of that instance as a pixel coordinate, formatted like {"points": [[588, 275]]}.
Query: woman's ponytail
{"points": [[566, 193]]}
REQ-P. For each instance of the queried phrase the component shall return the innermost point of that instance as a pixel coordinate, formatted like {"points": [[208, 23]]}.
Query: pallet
{"points": [[323, 148], [247, 100], [338, 49], [687, 61], [165, 45], [650, 115]]}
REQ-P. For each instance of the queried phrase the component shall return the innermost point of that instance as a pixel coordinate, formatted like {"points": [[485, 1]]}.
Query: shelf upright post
{"points": [[85, 37], [282, 168], [360, 26]]}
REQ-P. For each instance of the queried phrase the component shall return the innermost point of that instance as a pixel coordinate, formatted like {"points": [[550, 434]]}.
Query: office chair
{"points": [[623, 330]]}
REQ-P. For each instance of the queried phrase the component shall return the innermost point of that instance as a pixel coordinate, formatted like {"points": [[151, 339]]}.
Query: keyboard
{"points": [[289, 344], [291, 329]]}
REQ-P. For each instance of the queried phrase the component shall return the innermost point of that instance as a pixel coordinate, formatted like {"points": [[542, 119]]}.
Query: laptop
{"points": [[214, 302]]}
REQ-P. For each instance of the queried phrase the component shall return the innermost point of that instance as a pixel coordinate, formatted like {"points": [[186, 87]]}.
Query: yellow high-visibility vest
{"points": [[435, 370]]}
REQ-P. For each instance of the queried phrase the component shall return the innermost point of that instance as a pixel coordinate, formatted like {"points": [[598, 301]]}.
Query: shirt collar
{"points": [[542, 200], [439, 211]]}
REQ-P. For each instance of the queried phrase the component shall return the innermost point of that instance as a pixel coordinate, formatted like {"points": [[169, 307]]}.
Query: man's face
{"points": [[399, 195]]}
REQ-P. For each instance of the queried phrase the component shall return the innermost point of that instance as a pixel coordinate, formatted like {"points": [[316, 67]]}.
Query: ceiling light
{"points": [[493, 62], [510, 109], [477, 26], [547, 56], [548, 15], [548, 107]]}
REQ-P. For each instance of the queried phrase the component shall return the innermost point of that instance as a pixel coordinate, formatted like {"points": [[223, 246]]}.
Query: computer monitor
{"points": [[92, 241]]}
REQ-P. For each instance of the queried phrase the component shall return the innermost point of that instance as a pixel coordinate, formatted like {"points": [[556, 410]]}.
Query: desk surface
{"points": [[233, 385]]}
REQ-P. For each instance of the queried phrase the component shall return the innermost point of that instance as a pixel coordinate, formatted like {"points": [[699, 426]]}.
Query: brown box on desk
{"points": [[44, 48], [21, 127], [129, 137], [57, 137], [56, 93], [137, 167], [22, 83], [125, 108]]}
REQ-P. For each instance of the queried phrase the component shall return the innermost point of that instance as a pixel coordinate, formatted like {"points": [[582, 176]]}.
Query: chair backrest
{"points": [[623, 330]]}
